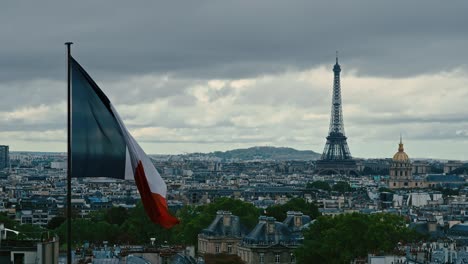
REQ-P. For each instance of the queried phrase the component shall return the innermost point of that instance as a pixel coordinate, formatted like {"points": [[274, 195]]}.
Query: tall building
{"points": [[336, 157], [401, 171], [4, 157]]}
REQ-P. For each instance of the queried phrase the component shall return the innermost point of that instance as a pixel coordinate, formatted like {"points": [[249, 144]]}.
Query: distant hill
{"points": [[267, 153]]}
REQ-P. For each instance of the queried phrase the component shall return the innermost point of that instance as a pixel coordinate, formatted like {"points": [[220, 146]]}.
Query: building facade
{"points": [[452, 165], [272, 241], [4, 157], [421, 167], [222, 236], [401, 171]]}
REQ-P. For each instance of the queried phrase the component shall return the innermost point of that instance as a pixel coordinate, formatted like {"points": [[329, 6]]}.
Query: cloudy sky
{"points": [[216, 75]]}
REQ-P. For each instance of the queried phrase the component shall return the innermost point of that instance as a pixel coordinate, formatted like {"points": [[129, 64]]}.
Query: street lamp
{"points": [[3, 235]]}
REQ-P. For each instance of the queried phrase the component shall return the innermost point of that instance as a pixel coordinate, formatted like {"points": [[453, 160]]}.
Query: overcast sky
{"points": [[201, 76]]}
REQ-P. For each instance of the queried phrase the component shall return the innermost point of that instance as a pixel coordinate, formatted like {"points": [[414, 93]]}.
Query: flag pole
{"points": [[69, 248]]}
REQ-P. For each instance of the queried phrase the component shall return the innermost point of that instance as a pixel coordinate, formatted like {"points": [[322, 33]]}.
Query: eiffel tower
{"points": [[336, 158]]}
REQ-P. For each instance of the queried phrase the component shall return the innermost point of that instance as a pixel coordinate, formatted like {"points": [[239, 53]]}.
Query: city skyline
{"points": [[208, 79]]}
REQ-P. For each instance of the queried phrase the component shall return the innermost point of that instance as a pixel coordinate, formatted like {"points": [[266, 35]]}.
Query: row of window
{"points": [[245, 256], [203, 246], [218, 248]]}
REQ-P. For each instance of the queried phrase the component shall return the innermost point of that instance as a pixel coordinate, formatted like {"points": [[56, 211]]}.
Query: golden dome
{"points": [[401, 156]]}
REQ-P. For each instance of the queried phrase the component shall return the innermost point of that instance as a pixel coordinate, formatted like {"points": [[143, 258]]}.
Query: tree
{"points": [[87, 230], [138, 228], [296, 204], [55, 222], [343, 238], [342, 187], [8, 222], [119, 225], [28, 231], [321, 185], [116, 215]]}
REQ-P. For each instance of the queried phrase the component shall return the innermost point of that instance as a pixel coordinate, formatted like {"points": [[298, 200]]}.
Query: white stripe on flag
{"points": [[155, 182], [136, 154], [129, 170]]}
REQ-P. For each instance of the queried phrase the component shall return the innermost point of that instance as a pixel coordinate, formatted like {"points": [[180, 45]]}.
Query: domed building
{"points": [[401, 171]]}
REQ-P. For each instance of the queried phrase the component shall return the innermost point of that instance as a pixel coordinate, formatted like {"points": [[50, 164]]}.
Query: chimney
{"points": [[298, 219], [226, 217], [432, 226], [271, 224]]}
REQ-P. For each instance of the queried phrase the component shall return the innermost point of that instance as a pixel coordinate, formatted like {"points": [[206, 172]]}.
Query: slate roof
{"points": [[268, 231], [289, 221], [459, 233], [459, 229], [422, 228], [444, 178], [260, 234], [218, 228]]}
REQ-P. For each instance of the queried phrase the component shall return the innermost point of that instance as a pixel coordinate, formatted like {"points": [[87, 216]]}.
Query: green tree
{"points": [[116, 215], [55, 222], [138, 228], [133, 226], [296, 204], [345, 237], [8, 222], [87, 230], [28, 231], [319, 185], [342, 187]]}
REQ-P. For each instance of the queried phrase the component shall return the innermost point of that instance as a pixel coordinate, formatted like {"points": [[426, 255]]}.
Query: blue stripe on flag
{"points": [[98, 146]]}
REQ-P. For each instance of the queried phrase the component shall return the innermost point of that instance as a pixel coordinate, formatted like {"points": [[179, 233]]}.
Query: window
{"points": [[229, 248], [293, 258], [217, 248], [277, 258], [262, 258]]}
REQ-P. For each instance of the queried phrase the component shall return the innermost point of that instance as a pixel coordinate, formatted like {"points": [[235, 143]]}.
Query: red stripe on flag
{"points": [[155, 205]]}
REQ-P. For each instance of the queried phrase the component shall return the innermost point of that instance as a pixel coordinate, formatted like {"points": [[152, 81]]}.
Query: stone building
{"points": [[272, 241], [452, 165], [421, 167], [401, 172], [221, 236]]}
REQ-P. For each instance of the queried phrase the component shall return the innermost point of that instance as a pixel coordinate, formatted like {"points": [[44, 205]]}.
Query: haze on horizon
{"points": [[210, 75]]}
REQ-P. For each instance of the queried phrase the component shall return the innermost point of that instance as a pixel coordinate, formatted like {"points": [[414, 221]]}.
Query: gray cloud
{"points": [[234, 39], [211, 75]]}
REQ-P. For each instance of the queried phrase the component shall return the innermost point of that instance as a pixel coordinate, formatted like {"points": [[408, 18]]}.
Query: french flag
{"points": [[101, 146]]}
